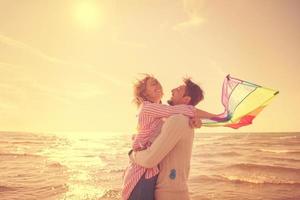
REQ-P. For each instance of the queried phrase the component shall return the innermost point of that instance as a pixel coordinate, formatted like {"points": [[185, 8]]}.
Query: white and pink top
{"points": [[150, 120]]}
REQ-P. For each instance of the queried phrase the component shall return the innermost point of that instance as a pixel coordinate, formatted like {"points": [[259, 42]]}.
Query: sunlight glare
{"points": [[88, 14]]}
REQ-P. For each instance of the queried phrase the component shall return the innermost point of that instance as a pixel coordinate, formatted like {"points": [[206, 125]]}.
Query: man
{"points": [[173, 147]]}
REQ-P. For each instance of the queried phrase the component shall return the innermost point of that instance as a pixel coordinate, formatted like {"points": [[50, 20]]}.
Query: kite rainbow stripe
{"points": [[242, 101]]}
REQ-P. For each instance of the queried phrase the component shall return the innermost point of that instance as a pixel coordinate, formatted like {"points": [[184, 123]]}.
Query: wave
{"points": [[281, 159], [230, 153], [116, 170], [5, 188], [242, 180], [226, 154], [55, 165], [19, 155], [260, 143], [266, 168], [278, 151], [289, 137], [28, 143], [248, 144], [214, 138], [111, 194], [105, 158], [260, 173]]}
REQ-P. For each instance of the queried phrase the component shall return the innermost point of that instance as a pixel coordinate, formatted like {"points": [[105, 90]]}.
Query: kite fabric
{"points": [[242, 101]]}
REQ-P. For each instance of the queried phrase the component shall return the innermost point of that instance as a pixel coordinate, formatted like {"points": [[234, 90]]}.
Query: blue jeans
{"points": [[144, 189]]}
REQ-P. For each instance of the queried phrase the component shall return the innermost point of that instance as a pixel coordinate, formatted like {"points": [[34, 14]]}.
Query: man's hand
{"points": [[133, 137], [130, 154], [195, 122]]}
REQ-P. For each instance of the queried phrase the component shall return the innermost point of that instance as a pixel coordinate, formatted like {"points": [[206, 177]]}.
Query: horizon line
{"points": [[196, 131]]}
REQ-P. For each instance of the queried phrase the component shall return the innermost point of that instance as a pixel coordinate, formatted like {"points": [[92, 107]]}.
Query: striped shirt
{"points": [[150, 121]]}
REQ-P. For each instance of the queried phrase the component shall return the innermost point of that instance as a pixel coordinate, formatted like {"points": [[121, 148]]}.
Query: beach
{"points": [[90, 165]]}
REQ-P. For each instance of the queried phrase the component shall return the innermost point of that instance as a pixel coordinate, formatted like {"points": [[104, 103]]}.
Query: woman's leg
{"points": [[144, 189]]}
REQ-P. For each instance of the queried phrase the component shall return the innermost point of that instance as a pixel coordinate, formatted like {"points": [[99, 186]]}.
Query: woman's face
{"points": [[154, 91]]}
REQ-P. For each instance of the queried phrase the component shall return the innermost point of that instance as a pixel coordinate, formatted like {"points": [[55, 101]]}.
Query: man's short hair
{"points": [[194, 91]]}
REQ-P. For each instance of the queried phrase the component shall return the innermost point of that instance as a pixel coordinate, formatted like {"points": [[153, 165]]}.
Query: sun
{"points": [[87, 13]]}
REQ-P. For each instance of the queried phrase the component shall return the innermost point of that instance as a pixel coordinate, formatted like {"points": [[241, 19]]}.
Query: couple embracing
{"points": [[161, 151]]}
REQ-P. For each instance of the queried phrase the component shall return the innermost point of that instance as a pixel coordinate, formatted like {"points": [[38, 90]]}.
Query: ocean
{"points": [[90, 166]]}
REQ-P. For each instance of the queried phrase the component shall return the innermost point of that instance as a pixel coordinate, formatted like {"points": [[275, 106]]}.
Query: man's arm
{"points": [[174, 128], [195, 122]]}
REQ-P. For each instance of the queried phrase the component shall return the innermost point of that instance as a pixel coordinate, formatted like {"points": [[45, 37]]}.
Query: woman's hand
{"points": [[221, 119]]}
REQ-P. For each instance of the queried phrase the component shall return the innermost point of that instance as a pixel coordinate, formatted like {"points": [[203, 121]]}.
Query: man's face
{"points": [[178, 96]]}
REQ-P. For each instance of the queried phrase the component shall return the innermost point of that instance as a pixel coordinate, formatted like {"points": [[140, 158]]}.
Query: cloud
{"points": [[116, 39], [8, 106], [113, 80], [193, 10], [10, 95], [69, 94], [15, 43], [17, 87], [192, 22], [86, 91]]}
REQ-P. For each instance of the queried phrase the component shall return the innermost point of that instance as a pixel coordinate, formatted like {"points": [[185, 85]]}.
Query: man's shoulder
{"points": [[179, 118], [178, 121]]}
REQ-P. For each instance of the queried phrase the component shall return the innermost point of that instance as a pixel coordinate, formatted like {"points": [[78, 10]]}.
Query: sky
{"points": [[70, 65]]}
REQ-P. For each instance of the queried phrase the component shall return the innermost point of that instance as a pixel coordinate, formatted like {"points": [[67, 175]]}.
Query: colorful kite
{"points": [[242, 101]]}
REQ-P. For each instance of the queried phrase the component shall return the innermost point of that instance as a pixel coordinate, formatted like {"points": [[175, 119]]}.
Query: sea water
{"points": [[90, 165]]}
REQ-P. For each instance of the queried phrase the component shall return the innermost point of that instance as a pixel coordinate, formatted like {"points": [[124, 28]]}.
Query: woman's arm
{"points": [[204, 114], [160, 110]]}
